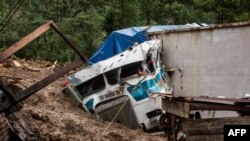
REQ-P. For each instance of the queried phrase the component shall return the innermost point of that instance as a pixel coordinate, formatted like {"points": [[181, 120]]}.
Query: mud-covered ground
{"points": [[52, 115]]}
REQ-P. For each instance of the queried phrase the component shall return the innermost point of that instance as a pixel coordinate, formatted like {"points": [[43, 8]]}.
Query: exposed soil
{"points": [[52, 115]]}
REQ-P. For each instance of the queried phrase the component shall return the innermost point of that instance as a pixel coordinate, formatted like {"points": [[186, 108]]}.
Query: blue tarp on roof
{"points": [[117, 42], [120, 40]]}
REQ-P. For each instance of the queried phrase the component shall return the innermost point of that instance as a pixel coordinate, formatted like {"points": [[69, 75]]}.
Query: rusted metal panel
{"points": [[24, 41], [210, 62]]}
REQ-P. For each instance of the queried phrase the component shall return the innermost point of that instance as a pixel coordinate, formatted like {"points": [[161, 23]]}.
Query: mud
{"points": [[53, 117]]}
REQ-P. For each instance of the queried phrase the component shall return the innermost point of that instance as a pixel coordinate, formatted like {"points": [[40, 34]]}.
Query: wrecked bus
{"points": [[122, 87]]}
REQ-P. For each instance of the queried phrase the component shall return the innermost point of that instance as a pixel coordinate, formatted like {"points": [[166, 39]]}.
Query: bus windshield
{"points": [[91, 86]]}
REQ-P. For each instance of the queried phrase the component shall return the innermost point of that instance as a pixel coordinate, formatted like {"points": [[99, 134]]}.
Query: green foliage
{"points": [[122, 14], [88, 22], [82, 21]]}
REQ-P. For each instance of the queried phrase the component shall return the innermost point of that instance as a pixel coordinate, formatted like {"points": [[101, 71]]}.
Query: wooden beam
{"points": [[69, 42], [47, 80], [24, 41]]}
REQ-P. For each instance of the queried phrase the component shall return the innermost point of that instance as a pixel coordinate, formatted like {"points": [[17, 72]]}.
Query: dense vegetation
{"points": [[88, 22]]}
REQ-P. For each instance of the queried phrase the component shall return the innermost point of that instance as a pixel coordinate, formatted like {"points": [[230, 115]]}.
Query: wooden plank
{"points": [[69, 42], [24, 41], [47, 80]]}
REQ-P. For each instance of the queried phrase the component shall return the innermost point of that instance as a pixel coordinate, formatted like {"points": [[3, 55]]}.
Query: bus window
{"points": [[130, 69], [91, 86], [113, 76], [150, 63]]}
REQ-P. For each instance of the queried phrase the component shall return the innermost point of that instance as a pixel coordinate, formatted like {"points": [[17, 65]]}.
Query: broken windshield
{"points": [[91, 86], [113, 76]]}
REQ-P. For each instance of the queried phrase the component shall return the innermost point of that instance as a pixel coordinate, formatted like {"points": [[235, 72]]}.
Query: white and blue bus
{"points": [[123, 88]]}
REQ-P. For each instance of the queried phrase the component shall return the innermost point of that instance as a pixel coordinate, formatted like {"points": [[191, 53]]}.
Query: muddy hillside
{"points": [[52, 115]]}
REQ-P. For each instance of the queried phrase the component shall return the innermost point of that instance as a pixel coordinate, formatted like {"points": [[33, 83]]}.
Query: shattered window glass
{"points": [[91, 86], [112, 76], [150, 63], [130, 69]]}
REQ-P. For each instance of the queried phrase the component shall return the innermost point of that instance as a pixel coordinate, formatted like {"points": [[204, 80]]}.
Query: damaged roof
{"points": [[120, 40], [135, 54]]}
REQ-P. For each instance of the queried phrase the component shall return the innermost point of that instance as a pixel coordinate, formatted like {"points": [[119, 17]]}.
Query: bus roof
{"points": [[134, 54]]}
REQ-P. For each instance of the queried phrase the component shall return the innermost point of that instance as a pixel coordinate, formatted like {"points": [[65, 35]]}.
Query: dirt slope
{"points": [[53, 117]]}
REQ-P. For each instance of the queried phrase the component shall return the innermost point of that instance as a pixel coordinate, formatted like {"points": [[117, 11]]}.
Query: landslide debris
{"points": [[51, 114]]}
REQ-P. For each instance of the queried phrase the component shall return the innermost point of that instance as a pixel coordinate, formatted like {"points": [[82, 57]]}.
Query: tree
{"points": [[80, 20], [88, 22]]}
